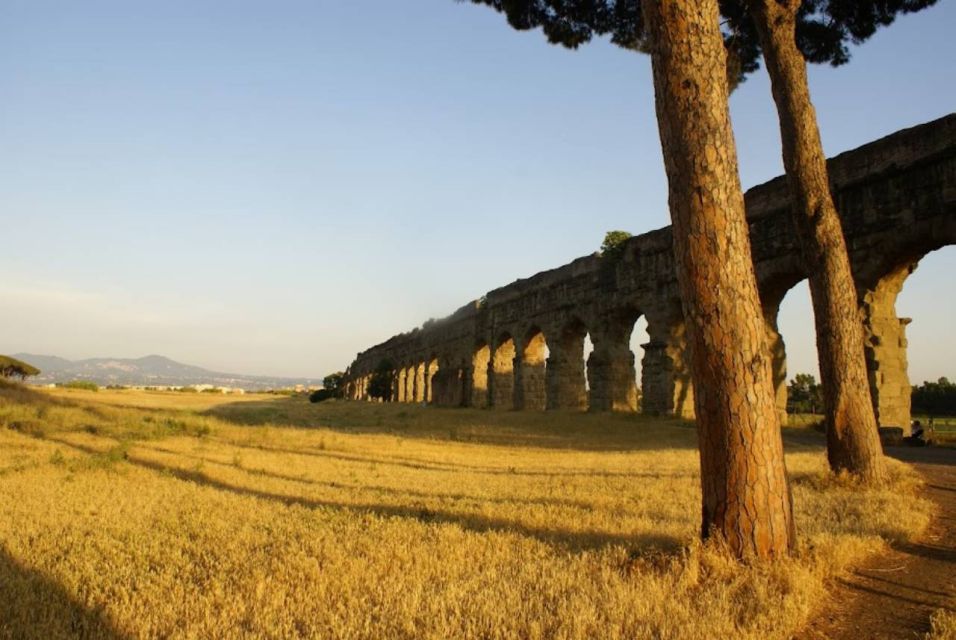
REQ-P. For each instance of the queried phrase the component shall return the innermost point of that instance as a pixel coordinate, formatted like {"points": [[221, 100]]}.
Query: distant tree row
{"points": [[805, 395], [86, 385], [935, 398]]}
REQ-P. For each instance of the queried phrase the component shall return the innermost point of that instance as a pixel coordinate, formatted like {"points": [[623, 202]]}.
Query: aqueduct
{"points": [[521, 346]]}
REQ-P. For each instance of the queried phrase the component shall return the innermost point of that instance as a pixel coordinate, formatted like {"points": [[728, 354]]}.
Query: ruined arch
{"points": [[565, 370], [478, 387], [431, 370], [665, 368], [530, 391], [502, 373], [880, 281], [610, 368], [885, 347], [418, 382], [400, 384]]}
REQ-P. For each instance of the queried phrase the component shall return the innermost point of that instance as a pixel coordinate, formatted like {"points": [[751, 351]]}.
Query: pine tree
{"points": [[746, 498]]}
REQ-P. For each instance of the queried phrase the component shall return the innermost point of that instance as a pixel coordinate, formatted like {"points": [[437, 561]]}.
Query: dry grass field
{"points": [[148, 514]]}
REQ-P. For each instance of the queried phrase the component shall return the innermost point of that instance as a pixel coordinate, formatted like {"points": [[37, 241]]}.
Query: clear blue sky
{"points": [[269, 187]]}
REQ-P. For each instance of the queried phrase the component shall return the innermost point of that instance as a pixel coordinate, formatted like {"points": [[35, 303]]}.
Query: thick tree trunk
{"points": [[852, 438], [746, 498]]}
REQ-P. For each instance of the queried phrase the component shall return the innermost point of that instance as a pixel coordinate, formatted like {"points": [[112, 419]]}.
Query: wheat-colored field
{"points": [[148, 514]]}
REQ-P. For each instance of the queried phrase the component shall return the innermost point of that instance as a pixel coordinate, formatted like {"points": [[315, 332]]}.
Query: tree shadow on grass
{"points": [[448, 467], [371, 488], [22, 394], [570, 541], [411, 493], [580, 431], [34, 606]]}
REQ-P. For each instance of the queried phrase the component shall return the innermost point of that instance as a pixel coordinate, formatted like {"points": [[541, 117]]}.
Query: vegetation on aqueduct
{"points": [[133, 513]]}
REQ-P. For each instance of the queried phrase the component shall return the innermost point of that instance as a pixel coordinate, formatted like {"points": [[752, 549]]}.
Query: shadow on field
{"points": [[943, 456], [21, 394], [411, 493], [449, 467], [571, 541], [569, 430], [33, 606]]}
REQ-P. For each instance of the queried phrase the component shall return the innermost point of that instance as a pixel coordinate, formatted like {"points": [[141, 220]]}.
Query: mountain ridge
{"points": [[150, 370]]}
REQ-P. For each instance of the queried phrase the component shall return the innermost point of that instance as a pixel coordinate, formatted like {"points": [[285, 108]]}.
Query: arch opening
{"points": [[927, 299], [636, 341], [791, 338]]}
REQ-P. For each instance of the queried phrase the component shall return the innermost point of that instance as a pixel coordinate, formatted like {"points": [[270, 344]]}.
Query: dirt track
{"points": [[893, 595]]}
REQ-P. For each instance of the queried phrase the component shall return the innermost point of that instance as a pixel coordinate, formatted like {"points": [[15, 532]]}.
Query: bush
{"points": [[613, 245], [321, 395]]}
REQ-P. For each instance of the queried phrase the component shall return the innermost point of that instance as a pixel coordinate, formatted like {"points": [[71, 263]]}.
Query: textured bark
{"points": [[746, 498], [852, 437]]}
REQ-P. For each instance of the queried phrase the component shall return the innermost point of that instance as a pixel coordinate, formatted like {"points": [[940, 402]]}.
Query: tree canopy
{"points": [[825, 28], [331, 388], [13, 368], [804, 395]]}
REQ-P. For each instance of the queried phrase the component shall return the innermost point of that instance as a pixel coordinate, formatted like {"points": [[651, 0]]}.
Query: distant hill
{"points": [[148, 370]]}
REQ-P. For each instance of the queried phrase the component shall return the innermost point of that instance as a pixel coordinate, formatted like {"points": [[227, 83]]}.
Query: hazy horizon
{"points": [[270, 190]]}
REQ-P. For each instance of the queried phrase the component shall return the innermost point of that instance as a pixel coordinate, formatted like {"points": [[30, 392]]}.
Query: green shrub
{"points": [[321, 395], [613, 245]]}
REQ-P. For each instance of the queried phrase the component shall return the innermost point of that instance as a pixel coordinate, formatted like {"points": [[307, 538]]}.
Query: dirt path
{"points": [[893, 596]]}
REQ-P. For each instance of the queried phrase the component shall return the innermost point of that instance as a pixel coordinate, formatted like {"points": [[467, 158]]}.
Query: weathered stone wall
{"points": [[521, 346]]}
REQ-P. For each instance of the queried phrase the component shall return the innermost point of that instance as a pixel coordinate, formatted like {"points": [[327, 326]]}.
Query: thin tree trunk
{"points": [[852, 438], [746, 498]]}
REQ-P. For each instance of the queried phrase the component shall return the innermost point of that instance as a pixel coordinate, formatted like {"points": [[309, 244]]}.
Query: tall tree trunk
{"points": [[746, 498], [852, 438]]}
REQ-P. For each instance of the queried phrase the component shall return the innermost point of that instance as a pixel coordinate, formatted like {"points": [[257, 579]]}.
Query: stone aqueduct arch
{"points": [[519, 347]]}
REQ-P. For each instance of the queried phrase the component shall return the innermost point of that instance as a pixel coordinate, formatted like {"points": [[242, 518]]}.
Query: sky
{"points": [[271, 187]]}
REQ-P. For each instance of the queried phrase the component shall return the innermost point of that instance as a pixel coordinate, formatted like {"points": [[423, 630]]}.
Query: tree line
{"points": [[935, 398]]}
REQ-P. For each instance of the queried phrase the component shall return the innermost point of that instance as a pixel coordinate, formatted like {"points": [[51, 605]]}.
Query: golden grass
{"points": [[136, 514], [942, 625]]}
